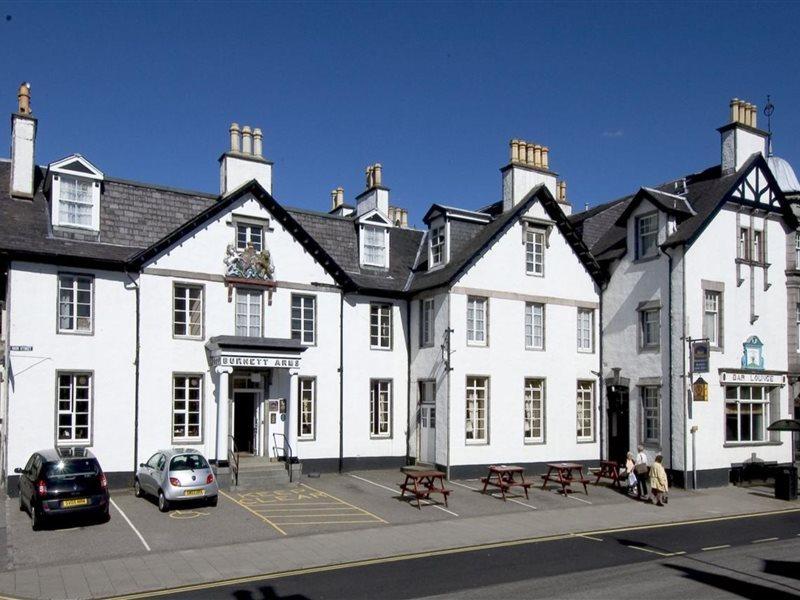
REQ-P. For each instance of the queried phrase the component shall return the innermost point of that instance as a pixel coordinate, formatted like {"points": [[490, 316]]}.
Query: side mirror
{"points": [[18, 470], [142, 464]]}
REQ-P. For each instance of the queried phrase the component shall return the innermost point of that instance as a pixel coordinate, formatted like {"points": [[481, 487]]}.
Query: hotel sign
{"points": [[731, 377], [261, 362]]}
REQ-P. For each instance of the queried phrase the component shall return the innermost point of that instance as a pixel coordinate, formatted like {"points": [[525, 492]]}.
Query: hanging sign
{"points": [[700, 390], [700, 352]]}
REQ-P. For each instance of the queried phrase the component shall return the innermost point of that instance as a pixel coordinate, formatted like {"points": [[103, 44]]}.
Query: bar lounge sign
{"points": [[753, 378], [263, 362]]}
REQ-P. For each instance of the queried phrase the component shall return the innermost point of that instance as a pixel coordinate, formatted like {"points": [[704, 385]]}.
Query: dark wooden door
{"points": [[618, 425], [244, 421]]}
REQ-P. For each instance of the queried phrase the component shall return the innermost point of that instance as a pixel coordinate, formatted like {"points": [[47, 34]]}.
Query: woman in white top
{"points": [[642, 473]]}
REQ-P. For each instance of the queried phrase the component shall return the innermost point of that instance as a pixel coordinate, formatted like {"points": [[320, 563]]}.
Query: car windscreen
{"points": [[84, 467], [188, 462]]}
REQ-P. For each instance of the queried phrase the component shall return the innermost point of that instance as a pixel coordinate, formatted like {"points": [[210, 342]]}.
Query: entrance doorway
{"points": [[618, 424], [245, 409], [427, 422]]}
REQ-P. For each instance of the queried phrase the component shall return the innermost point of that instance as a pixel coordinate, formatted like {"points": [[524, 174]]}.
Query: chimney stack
{"points": [[244, 161], [741, 138], [375, 195], [23, 138], [529, 166]]}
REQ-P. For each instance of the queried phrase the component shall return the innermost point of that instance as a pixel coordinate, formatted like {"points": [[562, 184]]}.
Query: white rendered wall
{"points": [[109, 353], [235, 172], [23, 135]]}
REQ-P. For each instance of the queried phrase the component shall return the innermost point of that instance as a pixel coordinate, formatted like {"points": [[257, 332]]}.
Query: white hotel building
{"points": [[138, 317]]}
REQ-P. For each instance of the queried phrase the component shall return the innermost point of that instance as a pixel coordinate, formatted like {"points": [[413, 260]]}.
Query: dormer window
{"points": [[75, 193], [437, 247], [374, 246], [647, 236]]}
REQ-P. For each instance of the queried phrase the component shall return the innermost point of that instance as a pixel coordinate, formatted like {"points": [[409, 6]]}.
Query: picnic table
{"points": [[609, 469], [565, 473], [422, 483], [505, 477]]}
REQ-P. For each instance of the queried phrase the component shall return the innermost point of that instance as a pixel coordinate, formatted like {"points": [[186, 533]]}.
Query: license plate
{"points": [[194, 492], [74, 502]]}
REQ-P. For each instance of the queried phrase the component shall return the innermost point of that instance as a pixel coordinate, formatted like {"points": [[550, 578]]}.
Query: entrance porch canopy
{"points": [[254, 352]]}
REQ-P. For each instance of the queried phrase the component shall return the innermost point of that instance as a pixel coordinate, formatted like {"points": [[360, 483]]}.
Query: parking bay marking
{"points": [[136, 531], [493, 494], [262, 517], [426, 502]]}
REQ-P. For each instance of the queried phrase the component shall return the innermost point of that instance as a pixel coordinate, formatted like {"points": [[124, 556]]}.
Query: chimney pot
{"points": [[753, 115], [528, 154], [514, 150], [545, 159], [742, 118], [236, 137], [734, 110], [247, 140], [24, 99], [537, 155], [377, 176], [258, 142]]}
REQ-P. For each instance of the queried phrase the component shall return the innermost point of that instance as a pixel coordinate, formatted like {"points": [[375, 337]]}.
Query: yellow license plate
{"points": [[75, 502], [193, 492]]}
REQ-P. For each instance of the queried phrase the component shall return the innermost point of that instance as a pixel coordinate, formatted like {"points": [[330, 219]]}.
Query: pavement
{"points": [[331, 520]]}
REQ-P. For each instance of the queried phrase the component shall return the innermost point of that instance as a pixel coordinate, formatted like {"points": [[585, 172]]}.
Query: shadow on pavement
{"points": [[732, 585], [265, 593], [784, 568]]}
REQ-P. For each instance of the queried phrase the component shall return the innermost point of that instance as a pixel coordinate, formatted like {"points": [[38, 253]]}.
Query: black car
{"points": [[62, 482]]}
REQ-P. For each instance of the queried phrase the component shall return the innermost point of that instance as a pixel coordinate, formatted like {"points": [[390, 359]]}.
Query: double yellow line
{"points": [[433, 553]]}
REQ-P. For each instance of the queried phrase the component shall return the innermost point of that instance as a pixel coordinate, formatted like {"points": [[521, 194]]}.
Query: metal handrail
{"points": [[233, 460], [287, 452]]}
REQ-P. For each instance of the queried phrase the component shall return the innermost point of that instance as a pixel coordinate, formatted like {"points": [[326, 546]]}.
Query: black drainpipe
{"points": [[408, 381], [669, 354], [136, 381], [601, 382], [341, 381]]}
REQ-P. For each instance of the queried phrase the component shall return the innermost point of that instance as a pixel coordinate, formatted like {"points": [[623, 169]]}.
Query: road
{"points": [[753, 557]]}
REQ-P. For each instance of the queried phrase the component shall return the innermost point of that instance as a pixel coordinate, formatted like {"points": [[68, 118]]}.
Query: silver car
{"points": [[176, 475]]}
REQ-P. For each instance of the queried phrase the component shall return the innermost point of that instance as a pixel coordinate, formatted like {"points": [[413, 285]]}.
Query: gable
{"points": [[374, 217], [76, 164], [755, 187]]}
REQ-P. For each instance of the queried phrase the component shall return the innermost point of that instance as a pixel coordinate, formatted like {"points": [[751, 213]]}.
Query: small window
{"points": [[477, 410], [307, 395], [304, 309], [187, 307], [534, 326], [585, 330], [75, 202], [534, 252], [248, 312], [477, 314], [187, 395], [426, 323], [651, 414], [248, 234], [647, 235], [797, 319], [437, 246], [75, 303], [74, 418], [743, 248], [374, 245], [712, 317], [585, 406], [534, 410], [380, 408], [797, 251], [650, 327], [380, 326], [759, 254]]}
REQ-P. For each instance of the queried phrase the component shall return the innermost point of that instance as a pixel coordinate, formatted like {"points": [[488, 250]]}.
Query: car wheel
{"points": [[137, 488], [212, 501], [37, 520], [163, 503]]}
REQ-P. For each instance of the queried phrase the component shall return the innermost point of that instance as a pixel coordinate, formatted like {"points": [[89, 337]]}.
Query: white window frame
{"points": [[797, 250], [249, 314], [248, 227], [182, 291], [640, 222], [650, 328], [476, 424], [477, 321], [534, 402], [68, 403], [73, 303], [743, 247], [712, 307], [437, 246], [651, 414], [584, 406], [190, 385], [759, 251], [585, 337], [534, 340], [426, 322], [306, 408], [65, 184], [381, 326], [534, 251], [303, 319], [746, 400], [797, 325], [376, 249], [380, 406]]}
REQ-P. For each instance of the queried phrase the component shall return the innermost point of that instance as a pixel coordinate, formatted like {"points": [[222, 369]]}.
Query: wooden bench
{"points": [[421, 484], [505, 477]]}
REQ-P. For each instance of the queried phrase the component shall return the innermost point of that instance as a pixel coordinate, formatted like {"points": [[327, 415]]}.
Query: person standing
{"points": [[658, 481], [642, 471], [630, 465]]}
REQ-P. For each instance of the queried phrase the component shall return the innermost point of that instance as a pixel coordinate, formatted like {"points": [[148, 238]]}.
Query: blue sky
{"points": [[624, 94]]}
